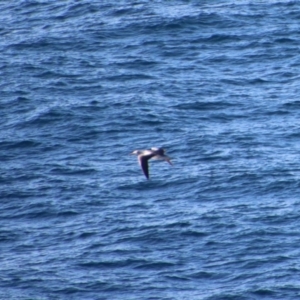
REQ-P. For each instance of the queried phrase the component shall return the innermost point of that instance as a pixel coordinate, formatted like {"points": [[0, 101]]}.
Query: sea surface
{"points": [[83, 84]]}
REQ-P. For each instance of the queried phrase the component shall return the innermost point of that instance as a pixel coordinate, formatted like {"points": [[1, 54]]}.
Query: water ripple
{"points": [[84, 84]]}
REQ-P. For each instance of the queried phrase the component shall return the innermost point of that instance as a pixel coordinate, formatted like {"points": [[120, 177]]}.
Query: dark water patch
{"points": [[184, 181], [71, 170], [67, 213], [72, 290], [258, 81], [207, 275], [143, 185], [113, 264], [138, 64], [54, 75], [185, 24], [19, 144], [291, 105], [294, 135], [277, 112], [193, 233], [227, 117], [264, 292], [13, 194], [9, 236], [150, 237], [23, 99], [129, 77], [155, 266], [229, 296], [179, 224], [285, 40], [86, 235], [216, 105], [282, 185], [222, 38], [43, 44], [239, 81], [12, 150]]}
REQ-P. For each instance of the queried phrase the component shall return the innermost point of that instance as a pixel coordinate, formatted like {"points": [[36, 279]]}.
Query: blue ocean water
{"points": [[84, 83]]}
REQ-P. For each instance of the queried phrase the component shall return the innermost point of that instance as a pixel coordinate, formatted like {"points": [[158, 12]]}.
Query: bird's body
{"points": [[145, 155]]}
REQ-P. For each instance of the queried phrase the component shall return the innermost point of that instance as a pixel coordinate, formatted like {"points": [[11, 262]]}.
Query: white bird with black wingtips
{"points": [[153, 153]]}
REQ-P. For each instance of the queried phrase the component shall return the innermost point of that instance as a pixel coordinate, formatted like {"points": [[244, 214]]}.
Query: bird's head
{"points": [[136, 152]]}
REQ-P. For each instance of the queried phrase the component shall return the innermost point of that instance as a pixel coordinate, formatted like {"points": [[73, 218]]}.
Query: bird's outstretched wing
{"points": [[143, 161]]}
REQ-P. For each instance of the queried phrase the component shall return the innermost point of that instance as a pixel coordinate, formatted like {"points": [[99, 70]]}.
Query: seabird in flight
{"points": [[153, 153]]}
